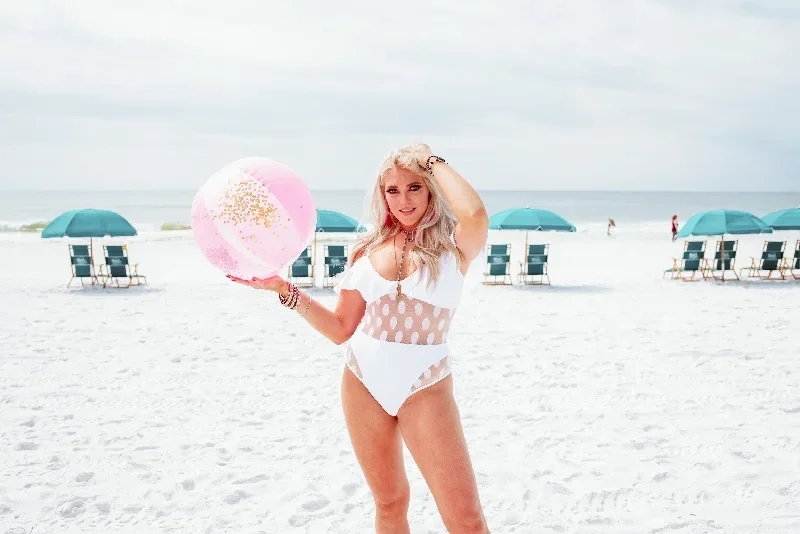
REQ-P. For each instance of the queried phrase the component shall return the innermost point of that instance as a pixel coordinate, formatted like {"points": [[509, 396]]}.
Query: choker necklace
{"points": [[408, 238]]}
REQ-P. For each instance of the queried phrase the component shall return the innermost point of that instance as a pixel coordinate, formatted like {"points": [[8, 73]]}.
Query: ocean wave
{"points": [[23, 226], [37, 226]]}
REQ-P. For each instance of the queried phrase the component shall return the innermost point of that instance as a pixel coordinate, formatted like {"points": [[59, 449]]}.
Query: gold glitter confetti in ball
{"points": [[253, 218]]}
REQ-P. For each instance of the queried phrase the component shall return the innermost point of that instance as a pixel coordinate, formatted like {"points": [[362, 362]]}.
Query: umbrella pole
{"points": [[91, 258], [525, 250], [722, 254], [523, 264], [314, 259]]}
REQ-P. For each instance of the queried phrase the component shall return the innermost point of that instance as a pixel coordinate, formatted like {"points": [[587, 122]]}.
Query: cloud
{"points": [[569, 95]]}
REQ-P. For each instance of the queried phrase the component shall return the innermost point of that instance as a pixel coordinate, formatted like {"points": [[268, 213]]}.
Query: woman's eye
{"points": [[391, 190], [414, 188]]}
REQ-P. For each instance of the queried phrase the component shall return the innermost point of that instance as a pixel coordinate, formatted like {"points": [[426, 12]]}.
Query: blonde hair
{"points": [[433, 235]]}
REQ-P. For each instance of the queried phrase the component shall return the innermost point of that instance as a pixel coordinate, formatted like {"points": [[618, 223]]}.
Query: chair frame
{"points": [[296, 279], [505, 279], [131, 268], [757, 264], [523, 276], [677, 270], [92, 267], [327, 278], [789, 263], [710, 269]]}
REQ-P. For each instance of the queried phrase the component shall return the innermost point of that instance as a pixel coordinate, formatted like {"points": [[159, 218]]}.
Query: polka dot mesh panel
{"points": [[432, 374], [406, 320]]}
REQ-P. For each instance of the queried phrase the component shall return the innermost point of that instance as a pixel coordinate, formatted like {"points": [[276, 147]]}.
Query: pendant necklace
{"points": [[409, 236]]}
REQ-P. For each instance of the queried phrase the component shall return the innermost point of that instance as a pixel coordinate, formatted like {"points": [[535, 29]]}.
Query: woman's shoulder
{"points": [[357, 255], [355, 276]]}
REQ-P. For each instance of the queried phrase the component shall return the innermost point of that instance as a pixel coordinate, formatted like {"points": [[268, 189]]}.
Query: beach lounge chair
{"points": [[724, 261], [80, 257], [335, 262], [498, 263], [792, 265], [771, 261], [117, 266], [533, 271], [301, 272], [691, 262]]}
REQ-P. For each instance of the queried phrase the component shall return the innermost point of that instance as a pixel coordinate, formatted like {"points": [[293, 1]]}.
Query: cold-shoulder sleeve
{"points": [[354, 277], [361, 277]]}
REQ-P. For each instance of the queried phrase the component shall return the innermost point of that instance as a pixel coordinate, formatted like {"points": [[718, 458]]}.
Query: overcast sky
{"points": [[516, 94]]}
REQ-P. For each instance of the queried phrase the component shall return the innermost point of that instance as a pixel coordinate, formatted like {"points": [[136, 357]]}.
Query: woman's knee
{"points": [[466, 521], [390, 502]]}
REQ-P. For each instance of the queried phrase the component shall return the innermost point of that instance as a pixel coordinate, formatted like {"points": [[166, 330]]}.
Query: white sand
{"points": [[612, 402]]}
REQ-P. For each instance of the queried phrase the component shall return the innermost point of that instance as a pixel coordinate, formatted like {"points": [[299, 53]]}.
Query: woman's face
{"points": [[406, 195]]}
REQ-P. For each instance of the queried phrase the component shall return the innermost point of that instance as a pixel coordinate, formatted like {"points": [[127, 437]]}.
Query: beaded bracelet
{"points": [[292, 297], [429, 163], [283, 300]]}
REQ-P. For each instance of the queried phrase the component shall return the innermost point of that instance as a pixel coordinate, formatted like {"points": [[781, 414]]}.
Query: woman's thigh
{"points": [[376, 440], [431, 427]]}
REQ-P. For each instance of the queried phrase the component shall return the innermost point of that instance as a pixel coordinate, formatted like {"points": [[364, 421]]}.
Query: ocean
{"points": [[149, 210]]}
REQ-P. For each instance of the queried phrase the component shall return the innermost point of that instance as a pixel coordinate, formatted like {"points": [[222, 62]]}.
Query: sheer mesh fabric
{"points": [[409, 321], [406, 320], [432, 374], [352, 363]]}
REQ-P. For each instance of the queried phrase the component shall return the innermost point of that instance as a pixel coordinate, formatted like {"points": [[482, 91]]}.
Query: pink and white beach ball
{"points": [[253, 218]]}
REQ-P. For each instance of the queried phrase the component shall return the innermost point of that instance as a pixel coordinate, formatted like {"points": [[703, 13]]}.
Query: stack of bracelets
{"points": [[292, 299]]}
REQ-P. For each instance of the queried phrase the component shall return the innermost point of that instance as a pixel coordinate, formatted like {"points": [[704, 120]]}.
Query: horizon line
{"points": [[490, 190]]}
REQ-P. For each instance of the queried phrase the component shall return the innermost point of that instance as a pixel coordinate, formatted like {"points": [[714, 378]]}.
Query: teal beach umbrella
{"points": [[333, 221], [530, 219], [721, 222], [783, 219], [89, 223]]}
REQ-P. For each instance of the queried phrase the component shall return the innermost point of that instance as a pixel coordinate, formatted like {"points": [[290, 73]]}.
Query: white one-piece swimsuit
{"points": [[400, 347]]}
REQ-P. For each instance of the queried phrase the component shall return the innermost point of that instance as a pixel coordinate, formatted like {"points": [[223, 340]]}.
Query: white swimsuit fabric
{"points": [[400, 346]]}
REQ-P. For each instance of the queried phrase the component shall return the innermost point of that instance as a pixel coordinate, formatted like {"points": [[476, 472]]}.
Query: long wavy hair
{"points": [[433, 234]]}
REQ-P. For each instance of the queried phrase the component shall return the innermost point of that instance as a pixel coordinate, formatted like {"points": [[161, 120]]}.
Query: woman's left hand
{"points": [[421, 153], [273, 283]]}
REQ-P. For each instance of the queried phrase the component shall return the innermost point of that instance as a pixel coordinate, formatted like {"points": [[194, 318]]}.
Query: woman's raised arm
{"points": [[473, 222]]}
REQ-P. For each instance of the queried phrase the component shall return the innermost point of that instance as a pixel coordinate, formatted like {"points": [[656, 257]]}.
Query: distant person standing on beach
{"points": [[674, 227], [610, 224]]}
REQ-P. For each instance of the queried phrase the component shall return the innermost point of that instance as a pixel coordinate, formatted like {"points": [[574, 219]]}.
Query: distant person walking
{"points": [[674, 227], [610, 224]]}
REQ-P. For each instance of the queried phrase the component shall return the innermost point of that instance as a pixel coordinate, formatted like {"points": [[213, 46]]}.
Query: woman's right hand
{"points": [[273, 283]]}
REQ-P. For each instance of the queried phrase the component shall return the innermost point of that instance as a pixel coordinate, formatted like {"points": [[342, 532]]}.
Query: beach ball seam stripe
{"points": [[231, 239]]}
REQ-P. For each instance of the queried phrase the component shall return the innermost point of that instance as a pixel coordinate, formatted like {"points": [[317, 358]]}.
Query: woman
{"points": [[400, 291], [674, 228]]}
